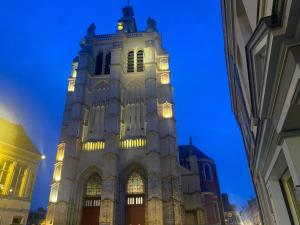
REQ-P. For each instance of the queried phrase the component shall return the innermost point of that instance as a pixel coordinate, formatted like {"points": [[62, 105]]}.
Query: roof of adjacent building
{"points": [[14, 134], [187, 150]]}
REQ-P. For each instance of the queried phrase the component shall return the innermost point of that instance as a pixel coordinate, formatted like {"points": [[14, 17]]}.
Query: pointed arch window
{"points": [[93, 186], [107, 63], [135, 184], [130, 62], [140, 61], [207, 172], [99, 61]]}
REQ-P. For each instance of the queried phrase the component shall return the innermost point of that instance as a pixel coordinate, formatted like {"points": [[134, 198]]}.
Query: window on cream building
{"points": [[5, 168], [19, 180], [29, 185]]}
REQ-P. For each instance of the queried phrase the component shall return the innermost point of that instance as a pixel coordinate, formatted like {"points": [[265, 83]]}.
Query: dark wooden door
{"points": [[135, 210], [91, 211]]}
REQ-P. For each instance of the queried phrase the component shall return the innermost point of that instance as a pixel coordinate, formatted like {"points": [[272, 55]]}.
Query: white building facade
{"points": [[117, 160], [263, 62]]}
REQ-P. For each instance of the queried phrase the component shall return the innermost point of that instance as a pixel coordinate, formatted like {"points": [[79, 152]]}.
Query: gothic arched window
{"points": [[140, 61], [135, 184], [93, 186], [130, 62], [99, 61], [107, 63], [207, 172]]}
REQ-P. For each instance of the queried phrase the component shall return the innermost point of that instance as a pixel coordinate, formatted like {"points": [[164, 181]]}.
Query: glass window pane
{"points": [[135, 184], [93, 186]]}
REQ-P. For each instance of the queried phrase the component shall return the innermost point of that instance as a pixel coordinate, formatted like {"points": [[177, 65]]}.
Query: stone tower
{"points": [[117, 160]]}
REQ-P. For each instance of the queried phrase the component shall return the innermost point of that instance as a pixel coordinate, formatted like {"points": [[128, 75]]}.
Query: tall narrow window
{"points": [[135, 184], [207, 172], [92, 201], [17, 180], [4, 171], [99, 60], [135, 200], [140, 61], [93, 186], [130, 62], [107, 63]]}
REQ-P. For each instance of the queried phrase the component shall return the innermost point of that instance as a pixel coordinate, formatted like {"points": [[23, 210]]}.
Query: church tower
{"points": [[117, 160]]}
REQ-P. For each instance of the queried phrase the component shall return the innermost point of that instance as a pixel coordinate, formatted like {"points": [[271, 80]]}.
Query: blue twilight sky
{"points": [[39, 39]]}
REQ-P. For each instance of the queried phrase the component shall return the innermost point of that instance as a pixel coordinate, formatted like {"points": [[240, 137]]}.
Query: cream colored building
{"points": [[18, 166], [263, 61], [118, 161]]}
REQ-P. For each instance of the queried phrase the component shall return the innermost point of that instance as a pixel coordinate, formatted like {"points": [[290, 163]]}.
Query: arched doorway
{"points": [[135, 200], [92, 200]]}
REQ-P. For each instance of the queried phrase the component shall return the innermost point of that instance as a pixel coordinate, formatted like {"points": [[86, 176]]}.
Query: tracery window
{"points": [[130, 62], [98, 68], [140, 61], [135, 184], [93, 186]]}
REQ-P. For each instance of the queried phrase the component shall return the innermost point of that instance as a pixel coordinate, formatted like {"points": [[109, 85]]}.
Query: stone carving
{"points": [[151, 24], [91, 30]]}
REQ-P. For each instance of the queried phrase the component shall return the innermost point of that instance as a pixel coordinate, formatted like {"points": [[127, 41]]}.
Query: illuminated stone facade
{"points": [[18, 166], [118, 160], [118, 120]]}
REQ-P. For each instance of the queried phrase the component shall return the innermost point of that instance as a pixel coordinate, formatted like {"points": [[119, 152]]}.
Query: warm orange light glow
{"points": [[57, 172], [54, 193], [74, 73], [93, 146], [71, 87], [23, 183], [60, 152], [165, 78], [120, 26], [164, 63], [167, 110], [133, 143]]}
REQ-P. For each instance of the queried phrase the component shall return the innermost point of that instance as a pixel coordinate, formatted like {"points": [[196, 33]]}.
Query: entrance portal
{"points": [[92, 201], [135, 200]]}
